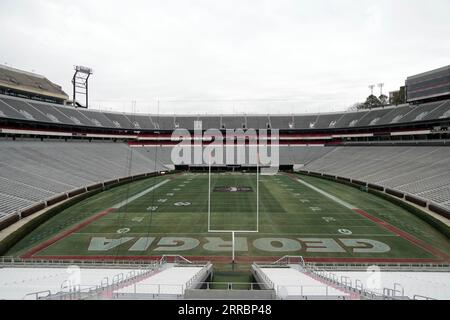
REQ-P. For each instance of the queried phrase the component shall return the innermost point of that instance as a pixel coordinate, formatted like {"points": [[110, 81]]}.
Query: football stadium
{"points": [[343, 205]]}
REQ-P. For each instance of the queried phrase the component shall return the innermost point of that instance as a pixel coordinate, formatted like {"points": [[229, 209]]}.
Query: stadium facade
{"points": [[429, 86], [53, 157]]}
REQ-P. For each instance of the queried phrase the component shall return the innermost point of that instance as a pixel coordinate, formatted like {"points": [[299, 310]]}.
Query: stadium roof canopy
{"points": [[22, 83]]}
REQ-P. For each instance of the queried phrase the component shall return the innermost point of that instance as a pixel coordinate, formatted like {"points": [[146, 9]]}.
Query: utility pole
{"points": [[380, 85]]}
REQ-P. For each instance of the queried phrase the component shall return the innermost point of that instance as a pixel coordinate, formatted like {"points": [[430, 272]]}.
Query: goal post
{"points": [[233, 231], [257, 191]]}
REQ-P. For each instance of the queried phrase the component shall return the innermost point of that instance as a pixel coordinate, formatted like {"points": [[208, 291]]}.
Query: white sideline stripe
{"points": [[140, 194], [326, 194]]}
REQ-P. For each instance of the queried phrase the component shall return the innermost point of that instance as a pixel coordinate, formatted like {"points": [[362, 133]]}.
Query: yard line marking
{"points": [[137, 196], [329, 196], [88, 221], [64, 234], [405, 235]]}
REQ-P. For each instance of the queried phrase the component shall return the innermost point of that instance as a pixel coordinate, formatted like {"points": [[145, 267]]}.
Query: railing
{"points": [[37, 295], [355, 288], [305, 291], [120, 281], [173, 258], [419, 297], [345, 283], [16, 261], [151, 289], [431, 267], [261, 274], [232, 285], [106, 288], [200, 274], [285, 260]]}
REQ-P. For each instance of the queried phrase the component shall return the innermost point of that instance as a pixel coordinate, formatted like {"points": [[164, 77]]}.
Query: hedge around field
{"points": [[437, 224], [31, 225]]}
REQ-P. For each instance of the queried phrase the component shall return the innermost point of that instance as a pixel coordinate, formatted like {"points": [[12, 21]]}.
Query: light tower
{"points": [[80, 84], [371, 89], [380, 85]]}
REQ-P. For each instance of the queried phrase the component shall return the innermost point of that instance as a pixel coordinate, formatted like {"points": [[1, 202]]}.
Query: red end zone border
{"points": [[65, 234], [403, 234]]}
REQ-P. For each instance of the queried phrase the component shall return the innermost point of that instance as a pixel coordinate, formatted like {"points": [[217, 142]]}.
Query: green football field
{"points": [[318, 219]]}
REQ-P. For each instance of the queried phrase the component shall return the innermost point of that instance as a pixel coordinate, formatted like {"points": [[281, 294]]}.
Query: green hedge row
{"points": [[28, 227], [21, 232], [437, 224]]}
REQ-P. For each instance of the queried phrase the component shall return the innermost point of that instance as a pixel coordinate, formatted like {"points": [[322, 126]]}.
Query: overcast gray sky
{"points": [[249, 56]]}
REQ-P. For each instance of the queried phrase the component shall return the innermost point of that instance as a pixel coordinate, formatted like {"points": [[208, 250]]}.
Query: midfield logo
{"points": [[232, 189]]}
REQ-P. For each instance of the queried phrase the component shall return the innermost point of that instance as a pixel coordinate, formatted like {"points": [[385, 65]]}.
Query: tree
{"points": [[383, 100], [372, 102]]}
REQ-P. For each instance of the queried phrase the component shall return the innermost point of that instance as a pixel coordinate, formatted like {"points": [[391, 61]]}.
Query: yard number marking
{"points": [[182, 203], [345, 231], [123, 230]]}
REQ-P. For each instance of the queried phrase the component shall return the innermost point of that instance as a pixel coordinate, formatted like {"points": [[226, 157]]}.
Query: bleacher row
{"points": [[21, 109], [288, 155], [33, 171], [422, 171]]}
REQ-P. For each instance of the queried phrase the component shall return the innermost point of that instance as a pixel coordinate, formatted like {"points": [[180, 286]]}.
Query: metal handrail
{"points": [[176, 259], [420, 297], [346, 284], [36, 294], [232, 285], [117, 282], [17, 261], [269, 282], [200, 273], [432, 267]]}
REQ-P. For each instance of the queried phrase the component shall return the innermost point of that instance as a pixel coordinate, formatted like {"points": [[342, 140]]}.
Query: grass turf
{"points": [[172, 219]]}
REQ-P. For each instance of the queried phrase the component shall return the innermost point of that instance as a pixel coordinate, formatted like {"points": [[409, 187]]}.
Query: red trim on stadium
{"points": [[65, 234], [404, 235]]}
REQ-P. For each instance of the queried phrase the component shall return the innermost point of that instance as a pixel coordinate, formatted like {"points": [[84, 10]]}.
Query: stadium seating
{"points": [[373, 117], [210, 121], [34, 171], [288, 154], [422, 171], [185, 122], [327, 120], [15, 108], [257, 122], [232, 122], [350, 119], [281, 122]]}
